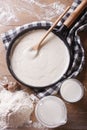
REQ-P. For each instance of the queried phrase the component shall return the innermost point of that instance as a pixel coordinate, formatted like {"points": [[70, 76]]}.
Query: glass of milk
{"points": [[72, 90], [51, 112]]}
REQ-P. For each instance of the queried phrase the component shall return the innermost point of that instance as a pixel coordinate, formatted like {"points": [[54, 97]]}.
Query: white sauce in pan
{"points": [[45, 68]]}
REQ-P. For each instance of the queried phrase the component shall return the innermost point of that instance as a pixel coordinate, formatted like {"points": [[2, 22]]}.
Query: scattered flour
{"points": [[7, 13], [47, 9], [15, 108], [38, 125], [11, 10]]}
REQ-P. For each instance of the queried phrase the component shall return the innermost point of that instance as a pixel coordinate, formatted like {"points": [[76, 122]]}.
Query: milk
{"points": [[51, 112], [72, 90]]}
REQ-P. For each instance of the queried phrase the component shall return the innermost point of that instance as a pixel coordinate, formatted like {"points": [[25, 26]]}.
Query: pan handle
{"points": [[70, 20]]}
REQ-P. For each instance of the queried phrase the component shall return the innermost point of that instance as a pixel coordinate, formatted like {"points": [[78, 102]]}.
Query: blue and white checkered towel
{"points": [[72, 37]]}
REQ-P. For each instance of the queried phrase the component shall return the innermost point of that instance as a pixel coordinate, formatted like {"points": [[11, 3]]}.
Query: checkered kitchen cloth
{"points": [[73, 39]]}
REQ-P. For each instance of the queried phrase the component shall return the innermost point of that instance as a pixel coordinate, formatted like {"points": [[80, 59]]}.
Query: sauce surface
{"points": [[45, 68]]}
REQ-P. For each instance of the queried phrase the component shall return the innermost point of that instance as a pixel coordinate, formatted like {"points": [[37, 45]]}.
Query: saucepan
{"points": [[61, 33]]}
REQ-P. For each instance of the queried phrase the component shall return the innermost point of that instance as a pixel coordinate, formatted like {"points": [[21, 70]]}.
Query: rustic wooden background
{"points": [[77, 112]]}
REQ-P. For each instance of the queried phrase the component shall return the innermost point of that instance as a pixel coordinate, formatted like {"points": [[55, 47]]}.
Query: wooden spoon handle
{"points": [[36, 47], [75, 13], [55, 23]]}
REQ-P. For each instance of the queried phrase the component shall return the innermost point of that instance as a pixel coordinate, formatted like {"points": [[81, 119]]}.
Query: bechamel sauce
{"points": [[44, 69], [72, 90], [51, 111]]}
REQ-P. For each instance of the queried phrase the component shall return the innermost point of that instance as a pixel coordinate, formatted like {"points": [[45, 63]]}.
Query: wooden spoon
{"points": [[38, 46]]}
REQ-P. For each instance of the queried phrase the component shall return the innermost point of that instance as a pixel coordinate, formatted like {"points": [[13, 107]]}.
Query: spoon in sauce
{"points": [[41, 42]]}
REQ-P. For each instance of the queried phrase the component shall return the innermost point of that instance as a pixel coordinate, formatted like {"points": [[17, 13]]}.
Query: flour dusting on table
{"points": [[15, 108]]}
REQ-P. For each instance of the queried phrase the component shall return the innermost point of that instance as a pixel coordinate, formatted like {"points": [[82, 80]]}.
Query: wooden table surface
{"points": [[77, 112]]}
